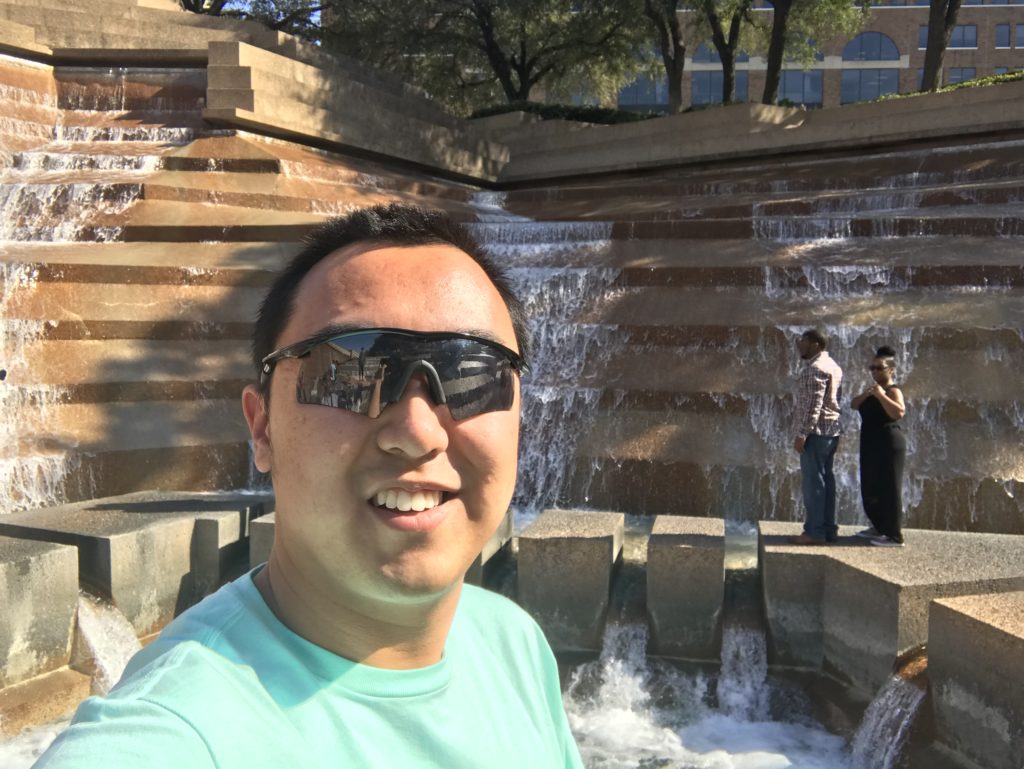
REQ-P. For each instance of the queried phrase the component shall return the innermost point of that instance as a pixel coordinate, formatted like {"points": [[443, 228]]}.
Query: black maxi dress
{"points": [[883, 449]]}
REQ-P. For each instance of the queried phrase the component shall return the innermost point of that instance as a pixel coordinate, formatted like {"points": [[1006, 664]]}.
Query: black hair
{"points": [[817, 337], [887, 355], [386, 225]]}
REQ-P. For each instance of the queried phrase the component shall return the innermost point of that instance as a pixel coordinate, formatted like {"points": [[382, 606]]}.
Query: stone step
{"points": [[149, 263], [656, 486], [849, 278], [86, 428], [144, 91], [115, 361], [868, 172], [126, 27], [747, 306], [982, 448], [789, 204], [293, 83], [581, 247]]}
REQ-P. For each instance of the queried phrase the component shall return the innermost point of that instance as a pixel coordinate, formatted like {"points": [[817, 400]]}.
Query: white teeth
{"points": [[404, 501]]}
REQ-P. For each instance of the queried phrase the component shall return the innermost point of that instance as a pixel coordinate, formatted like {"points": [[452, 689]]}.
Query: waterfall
{"points": [[630, 712], [107, 637], [33, 462], [886, 724], [561, 394]]}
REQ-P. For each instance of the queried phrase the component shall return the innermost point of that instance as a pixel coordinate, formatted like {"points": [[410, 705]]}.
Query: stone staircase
{"points": [[718, 271], [135, 244]]}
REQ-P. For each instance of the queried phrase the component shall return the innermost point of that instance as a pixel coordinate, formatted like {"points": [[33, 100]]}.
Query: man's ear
{"points": [[255, 409]]}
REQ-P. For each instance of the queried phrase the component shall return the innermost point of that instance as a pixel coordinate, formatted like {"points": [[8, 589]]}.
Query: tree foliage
{"points": [[725, 22], [797, 26], [470, 53], [941, 20]]}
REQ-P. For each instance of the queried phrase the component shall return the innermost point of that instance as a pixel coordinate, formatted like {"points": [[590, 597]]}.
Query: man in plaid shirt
{"points": [[816, 435]]}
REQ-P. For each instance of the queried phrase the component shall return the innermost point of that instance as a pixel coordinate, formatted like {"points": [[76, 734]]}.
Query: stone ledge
{"points": [[136, 550], [42, 699], [685, 586], [39, 584], [564, 574], [857, 608], [976, 668]]}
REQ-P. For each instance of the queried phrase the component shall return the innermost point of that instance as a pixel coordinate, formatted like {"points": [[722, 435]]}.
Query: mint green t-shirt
{"points": [[228, 685]]}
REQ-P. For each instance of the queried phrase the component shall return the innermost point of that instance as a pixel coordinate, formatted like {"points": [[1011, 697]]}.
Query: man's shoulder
{"points": [[497, 622], [826, 364]]}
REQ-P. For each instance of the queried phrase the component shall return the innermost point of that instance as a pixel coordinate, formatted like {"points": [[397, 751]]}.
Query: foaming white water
{"points": [[558, 404], [22, 751], [743, 682], [628, 712], [886, 724], [108, 638]]}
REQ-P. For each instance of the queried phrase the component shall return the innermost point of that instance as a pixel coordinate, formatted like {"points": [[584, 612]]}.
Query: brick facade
{"points": [[901, 25]]}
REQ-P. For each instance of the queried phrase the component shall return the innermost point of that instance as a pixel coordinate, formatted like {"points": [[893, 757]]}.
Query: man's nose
{"points": [[414, 424]]}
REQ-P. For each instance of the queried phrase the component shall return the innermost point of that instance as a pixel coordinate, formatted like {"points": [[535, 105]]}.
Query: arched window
{"points": [[871, 46]]}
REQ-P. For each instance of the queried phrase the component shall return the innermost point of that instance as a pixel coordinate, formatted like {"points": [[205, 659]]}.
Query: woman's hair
{"points": [[887, 355]]}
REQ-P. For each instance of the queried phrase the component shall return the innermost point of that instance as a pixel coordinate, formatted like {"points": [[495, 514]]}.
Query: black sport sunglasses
{"points": [[364, 370]]}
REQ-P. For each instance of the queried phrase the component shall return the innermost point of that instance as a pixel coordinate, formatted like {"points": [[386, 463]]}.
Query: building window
{"points": [[964, 36], [708, 54], [1001, 70], [1002, 35], [1020, 35], [644, 93], [960, 74], [871, 46], [867, 84], [707, 87], [797, 87]]}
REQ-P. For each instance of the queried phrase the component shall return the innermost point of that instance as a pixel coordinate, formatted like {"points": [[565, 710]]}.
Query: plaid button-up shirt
{"points": [[818, 390]]}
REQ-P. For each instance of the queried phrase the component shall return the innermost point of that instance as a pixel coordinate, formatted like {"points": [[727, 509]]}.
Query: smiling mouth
{"points": [[408, 501]]}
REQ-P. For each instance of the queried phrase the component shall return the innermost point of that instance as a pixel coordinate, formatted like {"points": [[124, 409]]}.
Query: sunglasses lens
{"points": [[364, 372]]}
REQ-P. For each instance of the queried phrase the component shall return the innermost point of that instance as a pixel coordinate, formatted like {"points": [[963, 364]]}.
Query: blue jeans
{"points": [[819, 486]]}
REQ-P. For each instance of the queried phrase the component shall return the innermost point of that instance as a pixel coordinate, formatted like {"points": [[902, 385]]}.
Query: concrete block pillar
{"points": [[39, 594], [261, 539], [218, 539], [976, 673], [686, 586], [498, 540], [565, 571]]}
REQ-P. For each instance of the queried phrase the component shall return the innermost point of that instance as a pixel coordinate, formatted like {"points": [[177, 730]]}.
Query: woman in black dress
{"points": [[883, 449]]}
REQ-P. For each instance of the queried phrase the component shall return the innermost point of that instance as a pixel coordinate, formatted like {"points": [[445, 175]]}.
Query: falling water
{"points": [[108, 638], [630, 712], [886, 724], [560, 396], [33, 464]]}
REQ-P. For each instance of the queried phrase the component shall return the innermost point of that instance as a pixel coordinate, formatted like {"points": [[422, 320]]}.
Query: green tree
{"points": [[941, 20], [797, 23], [471, 53], [297, 17], [737, 15]]}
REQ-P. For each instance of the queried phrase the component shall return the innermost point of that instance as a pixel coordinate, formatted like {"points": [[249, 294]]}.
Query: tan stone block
{"points": [[686, 586], [565, 566]]}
